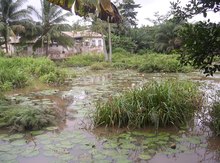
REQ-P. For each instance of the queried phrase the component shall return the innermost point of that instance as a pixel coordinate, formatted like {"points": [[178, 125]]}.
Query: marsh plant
{"points": [[158, 104], [18, 72], [25, 118]]}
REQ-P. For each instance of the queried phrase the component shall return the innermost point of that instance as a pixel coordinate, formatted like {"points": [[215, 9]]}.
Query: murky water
{"points": [[75, 140]]}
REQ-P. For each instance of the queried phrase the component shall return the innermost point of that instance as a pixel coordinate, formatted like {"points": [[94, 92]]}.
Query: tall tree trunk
{"points": [[110, 43], [104, 49], [6, 38], [47, 46]]}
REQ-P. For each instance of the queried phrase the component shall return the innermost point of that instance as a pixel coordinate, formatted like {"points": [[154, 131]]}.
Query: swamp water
{"points": [[75, 140]]}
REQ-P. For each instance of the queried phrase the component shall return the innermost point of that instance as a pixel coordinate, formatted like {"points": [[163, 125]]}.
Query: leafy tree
{"points": [[166, 38], [127, 9], [123, 42], [50, 25], [11, 16], [201, 40], [201, 48]]}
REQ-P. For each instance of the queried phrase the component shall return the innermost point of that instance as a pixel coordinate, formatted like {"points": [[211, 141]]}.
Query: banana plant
{"points": [[105, 9]]}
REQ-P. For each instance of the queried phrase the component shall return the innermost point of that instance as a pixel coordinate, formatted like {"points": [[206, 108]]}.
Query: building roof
{"points": [[80, 34]]}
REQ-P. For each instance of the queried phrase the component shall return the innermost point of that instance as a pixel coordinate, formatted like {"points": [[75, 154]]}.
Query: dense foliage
{"points": [[200, 40], [202, 47], [19, 72]]}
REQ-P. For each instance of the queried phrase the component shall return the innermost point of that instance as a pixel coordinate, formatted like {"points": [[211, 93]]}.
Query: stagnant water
{"points": [[75, 139]]}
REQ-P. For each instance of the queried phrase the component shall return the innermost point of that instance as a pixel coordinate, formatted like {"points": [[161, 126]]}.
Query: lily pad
{"points": [[5, 147], [128, 146], [3, 136], [51, 128], [110, 145], [193, 140], [34, 133], [50, 153], [203, 145], [145, 156], [8, 157], [66, 157], [18, 143], [30, 152], [16, 136]]}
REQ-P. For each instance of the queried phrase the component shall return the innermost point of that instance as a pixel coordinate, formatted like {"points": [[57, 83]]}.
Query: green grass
{"points": [[156, 104], [146, 63], [150, 63], [83, 60], [19, 72], [99, 66]]}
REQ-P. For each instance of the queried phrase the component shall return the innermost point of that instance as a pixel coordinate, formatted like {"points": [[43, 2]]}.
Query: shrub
{"points": [[161, 104], [57, 77]]}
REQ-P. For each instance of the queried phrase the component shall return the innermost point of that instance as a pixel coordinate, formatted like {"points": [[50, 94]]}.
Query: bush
{"points": [[57, 77], [161, 104]]}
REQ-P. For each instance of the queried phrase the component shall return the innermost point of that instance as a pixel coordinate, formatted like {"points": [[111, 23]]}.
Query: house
{"points": [[84, 42], [12, 42], [87, 41]]}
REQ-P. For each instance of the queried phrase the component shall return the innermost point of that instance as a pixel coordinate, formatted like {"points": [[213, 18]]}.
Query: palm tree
{"points": [[11, 18], [166, 38], [50, 24]]}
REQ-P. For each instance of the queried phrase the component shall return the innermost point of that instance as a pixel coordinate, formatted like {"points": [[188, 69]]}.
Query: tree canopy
{"points": [[200, 40]]}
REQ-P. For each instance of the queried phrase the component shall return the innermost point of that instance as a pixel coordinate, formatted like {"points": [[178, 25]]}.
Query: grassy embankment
{"points": [[147, 63]]}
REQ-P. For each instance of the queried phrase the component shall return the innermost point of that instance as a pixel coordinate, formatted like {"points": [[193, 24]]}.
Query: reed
{"points": [[160, 104]]}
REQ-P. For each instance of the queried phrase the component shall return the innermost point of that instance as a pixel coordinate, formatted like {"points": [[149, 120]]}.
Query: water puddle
{"points": [[75, 140]]}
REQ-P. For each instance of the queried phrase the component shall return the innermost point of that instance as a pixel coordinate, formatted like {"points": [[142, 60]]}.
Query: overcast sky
{"points": [[147, 10]]}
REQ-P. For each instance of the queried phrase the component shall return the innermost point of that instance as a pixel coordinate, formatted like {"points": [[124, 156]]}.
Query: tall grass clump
{"points": [[84, 60], [157, 104], [25, 118], [100, 66], [215, 118], [18, 72]]}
